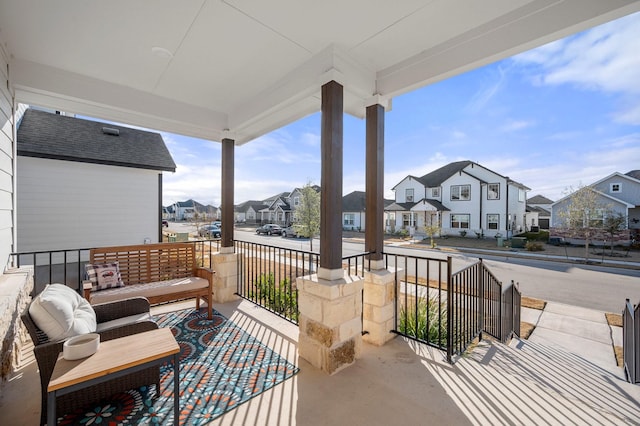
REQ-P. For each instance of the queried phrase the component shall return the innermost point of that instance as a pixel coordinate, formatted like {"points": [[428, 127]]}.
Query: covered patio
{"points": [[232, 71]]}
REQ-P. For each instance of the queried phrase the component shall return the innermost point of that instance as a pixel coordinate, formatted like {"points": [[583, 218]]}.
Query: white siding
{"points": [[409, 183], [6, 164], [65, 205], [517, 209], [470, 207]]}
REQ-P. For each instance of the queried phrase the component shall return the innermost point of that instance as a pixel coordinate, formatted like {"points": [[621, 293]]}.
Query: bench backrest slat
{"points": [[149, 262]]}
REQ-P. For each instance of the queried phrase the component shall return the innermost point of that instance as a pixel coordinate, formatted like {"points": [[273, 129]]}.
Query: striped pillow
{"points": [[104, 276]]}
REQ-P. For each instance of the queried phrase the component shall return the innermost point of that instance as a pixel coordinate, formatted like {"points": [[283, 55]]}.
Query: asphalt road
{"points": [[589, 286]]}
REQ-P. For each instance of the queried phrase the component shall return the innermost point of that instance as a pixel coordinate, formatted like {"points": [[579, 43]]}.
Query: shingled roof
{"points": [[46, 135], [436, 177], [357, 200]]}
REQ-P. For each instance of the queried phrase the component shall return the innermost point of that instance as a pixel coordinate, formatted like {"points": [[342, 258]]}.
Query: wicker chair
{"points": [[47, 352]]}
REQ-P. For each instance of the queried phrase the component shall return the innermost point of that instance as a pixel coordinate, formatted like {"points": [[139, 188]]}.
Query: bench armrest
{"points": [[206, 273], [86, 289]]}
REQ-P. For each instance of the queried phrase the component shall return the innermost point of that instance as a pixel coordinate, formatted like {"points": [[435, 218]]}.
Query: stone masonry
{"points": [[225, 278], [330, 321], [379, 306], [15, 288]]}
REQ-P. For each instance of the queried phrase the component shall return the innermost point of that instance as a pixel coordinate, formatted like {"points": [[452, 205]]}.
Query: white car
{"points": [[290, 232]]}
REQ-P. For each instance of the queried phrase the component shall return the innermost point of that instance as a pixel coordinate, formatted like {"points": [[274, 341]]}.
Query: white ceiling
{"points": [[241, 68]]}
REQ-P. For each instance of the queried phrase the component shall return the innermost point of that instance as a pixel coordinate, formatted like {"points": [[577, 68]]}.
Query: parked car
{"points": [[209, 231], [269, 229], [165, 224], [290, 231]]}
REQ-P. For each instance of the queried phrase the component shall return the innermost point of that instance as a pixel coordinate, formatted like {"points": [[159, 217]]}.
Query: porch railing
{"points": [[449, 310], [267, 274], [631, 341]]}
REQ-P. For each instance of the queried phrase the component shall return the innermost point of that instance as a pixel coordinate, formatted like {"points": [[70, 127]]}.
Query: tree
{"points": [[431, 227], [583, 214], [613, 223], [307, 214]]}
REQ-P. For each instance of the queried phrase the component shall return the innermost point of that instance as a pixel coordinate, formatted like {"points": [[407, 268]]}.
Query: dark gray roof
{"points": [[46, 135], [539, 199], [634, 174], [356, 201], [438, 205], [400, 206], [539, 210], [191, 203], [436, 177], [256, 205]]}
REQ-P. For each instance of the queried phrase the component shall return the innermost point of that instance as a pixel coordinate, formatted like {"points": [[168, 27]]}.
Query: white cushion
{"points": [[119, 322], [61, 312]]}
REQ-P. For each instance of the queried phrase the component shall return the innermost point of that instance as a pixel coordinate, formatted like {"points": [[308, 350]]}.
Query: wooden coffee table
{"points": [[115, 358]]}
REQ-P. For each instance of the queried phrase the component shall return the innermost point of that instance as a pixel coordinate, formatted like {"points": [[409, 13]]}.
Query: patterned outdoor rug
{"points": [[221, 367]]}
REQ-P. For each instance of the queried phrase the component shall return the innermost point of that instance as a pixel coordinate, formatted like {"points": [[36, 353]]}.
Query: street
{"points": [[587, 286]]}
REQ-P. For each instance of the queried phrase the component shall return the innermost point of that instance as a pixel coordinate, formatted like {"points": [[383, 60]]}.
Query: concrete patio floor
{"points": [[526, 382]]}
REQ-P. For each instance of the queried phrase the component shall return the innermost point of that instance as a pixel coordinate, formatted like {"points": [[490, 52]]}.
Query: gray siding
{"points": [[630, 189]]}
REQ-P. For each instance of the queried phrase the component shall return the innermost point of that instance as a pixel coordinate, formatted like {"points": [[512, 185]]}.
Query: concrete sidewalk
{"points": [[581, 331]]}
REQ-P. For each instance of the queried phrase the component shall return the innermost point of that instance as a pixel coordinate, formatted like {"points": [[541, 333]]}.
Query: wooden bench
{"points": [[161, 272]]}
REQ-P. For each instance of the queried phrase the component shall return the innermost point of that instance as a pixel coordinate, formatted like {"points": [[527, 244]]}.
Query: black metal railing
{"points": [[67, 266], [267, 274], [631, 341], [450, 310], [421, 297]]}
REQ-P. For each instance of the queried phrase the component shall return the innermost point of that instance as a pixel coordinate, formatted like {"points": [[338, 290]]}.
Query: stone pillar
{"points": [[330, 321], [379, 306], [225, 278]]}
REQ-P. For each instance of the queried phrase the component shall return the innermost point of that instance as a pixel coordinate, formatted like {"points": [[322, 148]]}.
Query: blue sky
{"points": [[565, 114]]}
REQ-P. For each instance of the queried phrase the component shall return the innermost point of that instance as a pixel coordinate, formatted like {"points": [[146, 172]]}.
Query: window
{"points": [[435, 192], [391, 218], [407, 219], [296, 201], [615, 187], [408, 195], [460, 221], [521, 195], [493, 191], [493, 221], [460, 192], [348, 219]]}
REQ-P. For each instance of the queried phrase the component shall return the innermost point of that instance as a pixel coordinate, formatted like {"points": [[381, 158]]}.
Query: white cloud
{"points": [[515, 125], [483, 96], [602, 59]]}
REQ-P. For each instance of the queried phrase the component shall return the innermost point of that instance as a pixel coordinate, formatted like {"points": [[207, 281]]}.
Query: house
{"points": [[249, 211], [538, 212], [459, 198], [353, 210], [617, 193], [83, 183], [193, 210], [280, 208]]}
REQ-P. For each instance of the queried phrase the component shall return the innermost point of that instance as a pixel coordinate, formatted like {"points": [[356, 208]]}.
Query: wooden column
{"points": [[331, 180], [374, 186], [227, 190]]}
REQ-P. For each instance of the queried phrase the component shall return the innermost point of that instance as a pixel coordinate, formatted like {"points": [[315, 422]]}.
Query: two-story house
{"points": [[460, 196], [617, 193]]}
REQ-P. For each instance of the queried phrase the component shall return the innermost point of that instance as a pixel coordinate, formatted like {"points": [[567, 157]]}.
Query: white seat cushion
{"points": [[119, 322], [62, 313], [157, 288]]}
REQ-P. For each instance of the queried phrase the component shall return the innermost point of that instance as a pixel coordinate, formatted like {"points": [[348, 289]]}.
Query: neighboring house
{"points": [[192, 210], [353, 211], [280, 208], [538, 212], [249, 211], [460, 196], [83, 183], [617, 193]]}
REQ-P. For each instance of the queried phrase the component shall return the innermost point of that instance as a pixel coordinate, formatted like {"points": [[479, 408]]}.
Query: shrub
{"points": [[463, 233], [281, 298], [402, 233], [428, 322], [533, 246], [479, 234]]}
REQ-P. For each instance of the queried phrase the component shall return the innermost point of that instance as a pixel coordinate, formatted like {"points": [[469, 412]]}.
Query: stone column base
{"points": [[225, 279], [330, 321], [379, 305]]}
